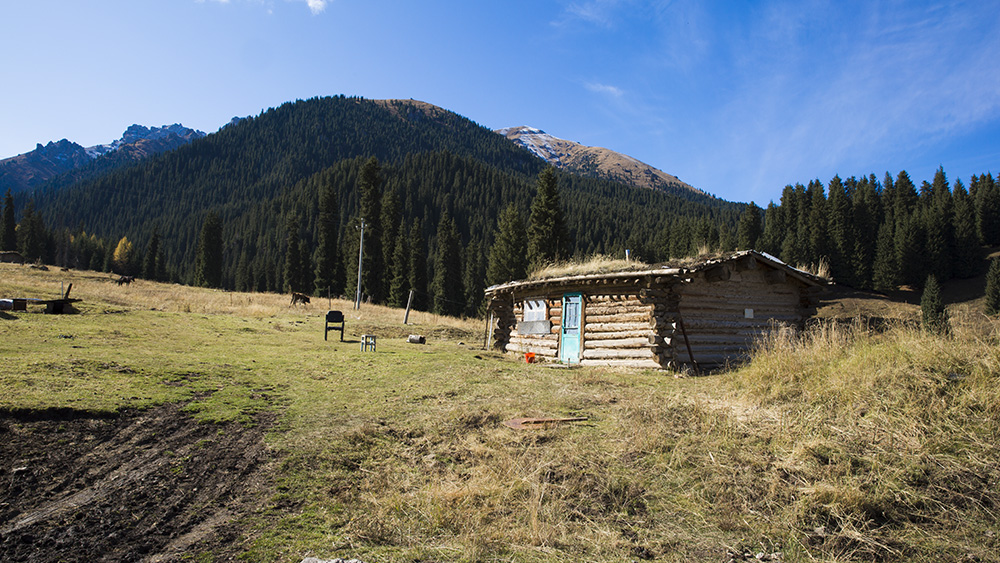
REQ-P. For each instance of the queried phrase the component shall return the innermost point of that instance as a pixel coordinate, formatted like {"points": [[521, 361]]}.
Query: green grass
{"points": [[840, 446]]}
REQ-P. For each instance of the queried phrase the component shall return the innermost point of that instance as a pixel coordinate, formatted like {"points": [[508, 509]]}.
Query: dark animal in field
{"points": [[299, 298], [125, 280], [12, 257]]}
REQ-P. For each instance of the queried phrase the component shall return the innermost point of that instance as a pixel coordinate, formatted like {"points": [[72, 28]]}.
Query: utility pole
{"points": [[361, 253]]}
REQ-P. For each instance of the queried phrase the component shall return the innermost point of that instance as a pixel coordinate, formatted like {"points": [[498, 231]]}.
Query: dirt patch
{"points": [[139, 486]]}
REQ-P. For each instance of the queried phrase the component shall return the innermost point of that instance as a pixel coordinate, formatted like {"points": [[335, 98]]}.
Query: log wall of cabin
{"points": [[618, 330], [542, 345], [714, 313], [502, 309]]}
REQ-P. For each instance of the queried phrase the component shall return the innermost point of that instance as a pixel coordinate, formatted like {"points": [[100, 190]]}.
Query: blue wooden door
{"points": [[569, 333]]}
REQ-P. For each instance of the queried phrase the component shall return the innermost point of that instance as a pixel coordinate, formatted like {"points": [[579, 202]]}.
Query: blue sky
{"points": [[736, 98]]}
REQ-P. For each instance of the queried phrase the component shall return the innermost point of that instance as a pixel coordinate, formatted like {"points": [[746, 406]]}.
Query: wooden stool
{"points": [[368, 342]]}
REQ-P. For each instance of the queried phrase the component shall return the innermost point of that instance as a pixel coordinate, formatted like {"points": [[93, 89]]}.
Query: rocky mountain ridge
{"points": [[33, 168], [594, 161]]}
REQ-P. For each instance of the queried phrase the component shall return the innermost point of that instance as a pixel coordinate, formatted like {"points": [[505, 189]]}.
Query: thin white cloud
{"points": [[605, 89]]}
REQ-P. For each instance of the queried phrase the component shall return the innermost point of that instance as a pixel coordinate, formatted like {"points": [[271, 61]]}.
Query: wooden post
{"points": [[489, 332], [409, 301], [680, 323]]}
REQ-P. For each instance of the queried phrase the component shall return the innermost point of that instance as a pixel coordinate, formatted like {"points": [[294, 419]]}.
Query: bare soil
{"points": [[134, 486]]}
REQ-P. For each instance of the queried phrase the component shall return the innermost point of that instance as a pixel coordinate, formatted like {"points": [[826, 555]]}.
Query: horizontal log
{"points": [[543, 352], [616, 327], [547, 341], [629, 363], [634, 316], [617, 343], [601, 354], [595, 335]]}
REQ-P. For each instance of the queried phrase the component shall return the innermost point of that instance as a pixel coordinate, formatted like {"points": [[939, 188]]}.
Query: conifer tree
{"points": [[909, 250], [866, 213], [372, 268], [818, 229], [547, 239], [988, 210], [153, 258], [8, 227], [399, 287], [933, 315], [885, 270], [293, 256], [774, 228], [967, 251], [447, 287], [31, 234], [474, 276], [841, 233], [390, 230], [208, 261], [329, 268], [992, 303], [418, 266], [750, 229], [507, 260]]}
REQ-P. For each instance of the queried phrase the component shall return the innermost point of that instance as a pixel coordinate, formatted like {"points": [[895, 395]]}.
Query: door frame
{"points": [[565, 354]]}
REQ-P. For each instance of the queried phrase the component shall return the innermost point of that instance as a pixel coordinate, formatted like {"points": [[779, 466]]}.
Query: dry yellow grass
{"points": [[100, 290]]}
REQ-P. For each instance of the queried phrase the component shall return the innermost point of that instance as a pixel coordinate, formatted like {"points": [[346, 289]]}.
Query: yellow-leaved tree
{"points": [[122, 258]]}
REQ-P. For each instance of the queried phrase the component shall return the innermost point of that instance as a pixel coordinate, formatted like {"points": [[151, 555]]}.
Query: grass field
{"points": [[841, 445]]}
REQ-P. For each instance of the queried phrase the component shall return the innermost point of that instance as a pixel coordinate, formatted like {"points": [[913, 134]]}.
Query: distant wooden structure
{"points": [[703, 314]]}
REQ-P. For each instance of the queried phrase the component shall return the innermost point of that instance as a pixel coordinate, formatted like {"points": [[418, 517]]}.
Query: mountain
{"points": [[34, 168], [594, 161], [262, 174]]}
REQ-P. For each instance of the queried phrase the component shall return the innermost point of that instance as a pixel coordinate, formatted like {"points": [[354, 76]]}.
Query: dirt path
{"points": [[138, 487]]}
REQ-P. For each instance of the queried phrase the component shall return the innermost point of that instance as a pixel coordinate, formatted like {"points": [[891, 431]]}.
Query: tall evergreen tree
{"points": [[329, 267], [841, 233], [933, 315], [8, 227], [31, 234], [474, 276], [992, 303], [987, 202], [390, 230], [547, 238], [885, 270], [750, 228], [966, 256], [418, 266], [150, 265], [867, 215], [399, 287], [909, 250], [208, 261], [818, 228], [372, 268], [293, 256], [774, 229], [449, 293], [507, 260]]}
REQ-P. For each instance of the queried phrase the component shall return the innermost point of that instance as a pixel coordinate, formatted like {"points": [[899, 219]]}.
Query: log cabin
{"points": [[701, 315]]}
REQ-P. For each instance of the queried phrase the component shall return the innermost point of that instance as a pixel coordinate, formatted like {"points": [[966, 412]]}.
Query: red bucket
{"points": [[529, 357]]}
